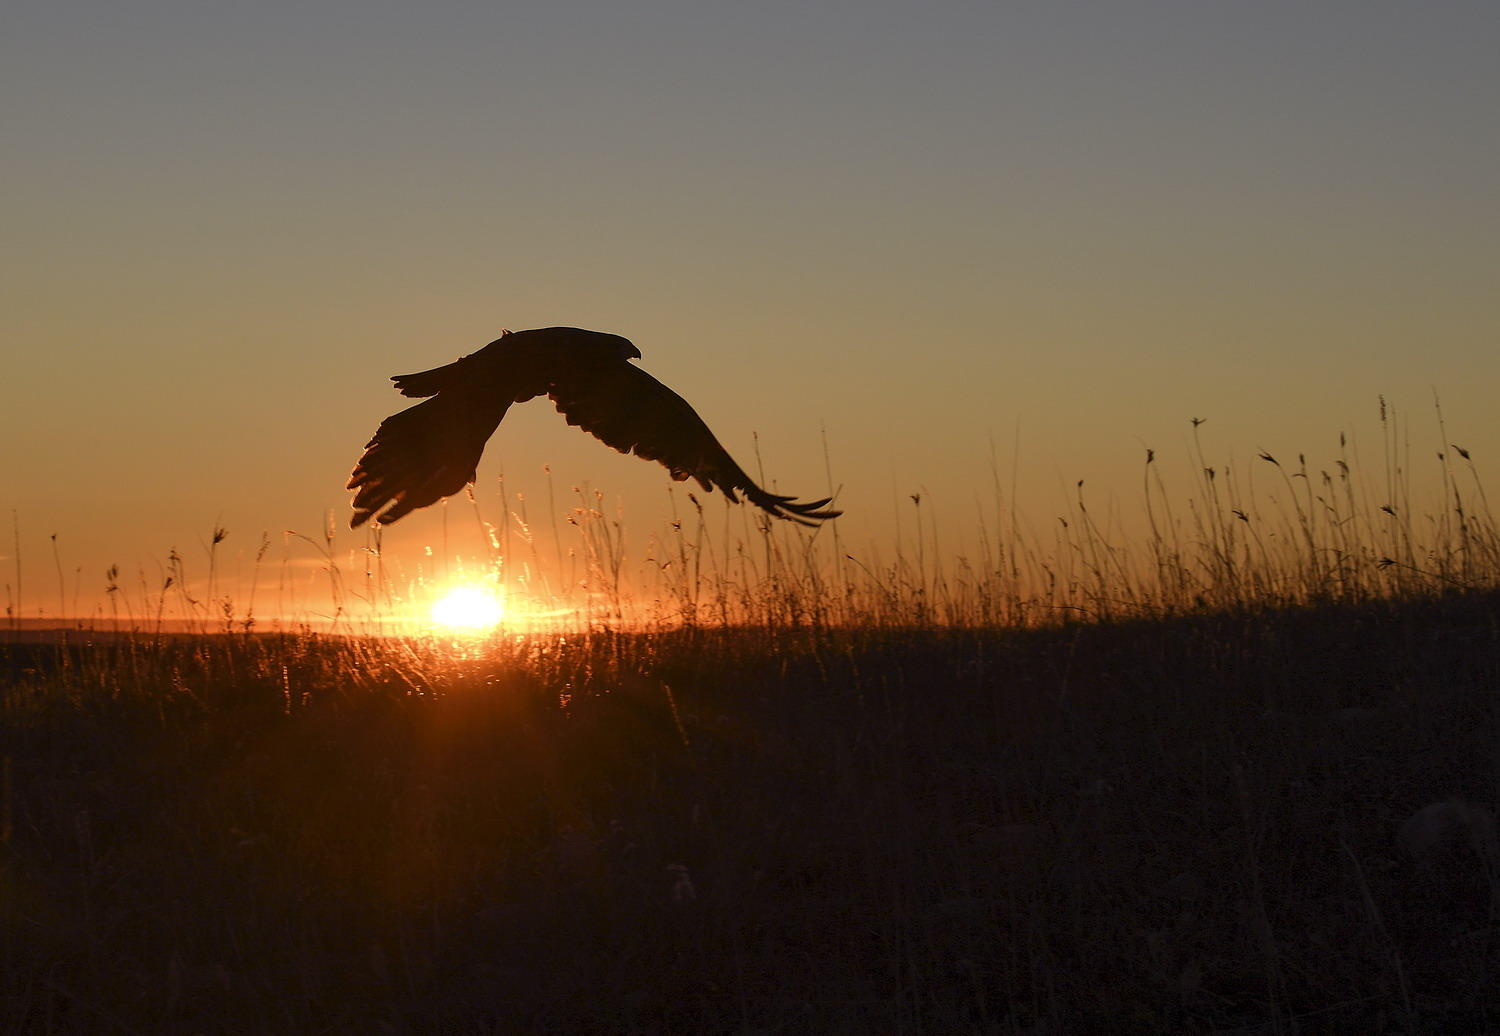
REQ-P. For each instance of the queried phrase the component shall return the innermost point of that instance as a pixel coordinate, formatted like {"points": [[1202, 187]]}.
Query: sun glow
{"points": [[469, 609]]}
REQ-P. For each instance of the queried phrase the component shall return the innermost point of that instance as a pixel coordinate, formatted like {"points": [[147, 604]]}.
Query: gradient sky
{"points": [[1065, 227]]}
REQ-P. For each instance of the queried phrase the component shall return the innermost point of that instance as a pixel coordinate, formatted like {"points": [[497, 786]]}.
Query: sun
{"points": [[469, 609]]}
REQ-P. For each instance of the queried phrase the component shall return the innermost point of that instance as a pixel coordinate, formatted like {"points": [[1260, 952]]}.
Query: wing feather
{"points": [[624, 407], [422, 454]]}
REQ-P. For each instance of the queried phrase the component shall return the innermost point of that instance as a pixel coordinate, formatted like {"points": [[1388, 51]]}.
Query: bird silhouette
{"points": [[431, 450]]}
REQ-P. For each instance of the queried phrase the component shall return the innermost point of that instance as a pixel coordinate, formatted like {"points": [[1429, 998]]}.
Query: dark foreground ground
{"points": [[1181, 826]]}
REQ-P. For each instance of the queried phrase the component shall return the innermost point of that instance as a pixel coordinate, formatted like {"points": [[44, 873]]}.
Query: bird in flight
{"points": [[430, 451]]}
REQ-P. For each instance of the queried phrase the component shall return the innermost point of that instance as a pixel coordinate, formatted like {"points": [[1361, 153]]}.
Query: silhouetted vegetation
{"points": [[1236, 776], [1171, 824]]}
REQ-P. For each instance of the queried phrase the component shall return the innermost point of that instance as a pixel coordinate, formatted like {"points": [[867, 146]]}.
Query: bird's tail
{"points": [[420, 455], [428, 383], [449, 375]]}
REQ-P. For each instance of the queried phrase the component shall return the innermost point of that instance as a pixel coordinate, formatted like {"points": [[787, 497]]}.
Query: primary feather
{"points": [[431, 450]]}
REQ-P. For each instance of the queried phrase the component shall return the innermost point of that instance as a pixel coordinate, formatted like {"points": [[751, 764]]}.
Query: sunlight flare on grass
{"points": [[469, 609]]}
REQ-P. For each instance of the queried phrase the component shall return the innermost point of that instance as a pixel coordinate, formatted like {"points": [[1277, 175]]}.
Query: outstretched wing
{"points": [[422, 454], [626, 408]]}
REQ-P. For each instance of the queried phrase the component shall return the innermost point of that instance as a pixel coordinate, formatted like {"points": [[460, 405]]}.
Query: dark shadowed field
{"points": [[1187, 825]]}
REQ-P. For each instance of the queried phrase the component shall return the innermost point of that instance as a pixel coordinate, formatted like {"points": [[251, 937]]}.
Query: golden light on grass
{"points": [[469, 609]]}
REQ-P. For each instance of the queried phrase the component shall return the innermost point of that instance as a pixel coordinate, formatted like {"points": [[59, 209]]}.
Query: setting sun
{"points": [[469, 609]]}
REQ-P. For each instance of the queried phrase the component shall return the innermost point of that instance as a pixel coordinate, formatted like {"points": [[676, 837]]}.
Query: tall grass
{"points": [[751, 777], [1185, 825], [1269, 532]]}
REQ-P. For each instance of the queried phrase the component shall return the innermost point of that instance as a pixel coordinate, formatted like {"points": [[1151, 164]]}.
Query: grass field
{"points": [[1188, 824], [1234, 778]]}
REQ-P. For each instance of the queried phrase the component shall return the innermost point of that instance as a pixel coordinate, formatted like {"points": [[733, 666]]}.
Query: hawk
{"points": [[430, 451]]}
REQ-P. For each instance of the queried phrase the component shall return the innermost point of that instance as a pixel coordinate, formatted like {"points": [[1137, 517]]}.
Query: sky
{"points": [[919, 234]]}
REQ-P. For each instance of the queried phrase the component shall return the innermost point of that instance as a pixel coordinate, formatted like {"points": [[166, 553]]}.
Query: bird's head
{"points": [[596, 342], [623, 346]]}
